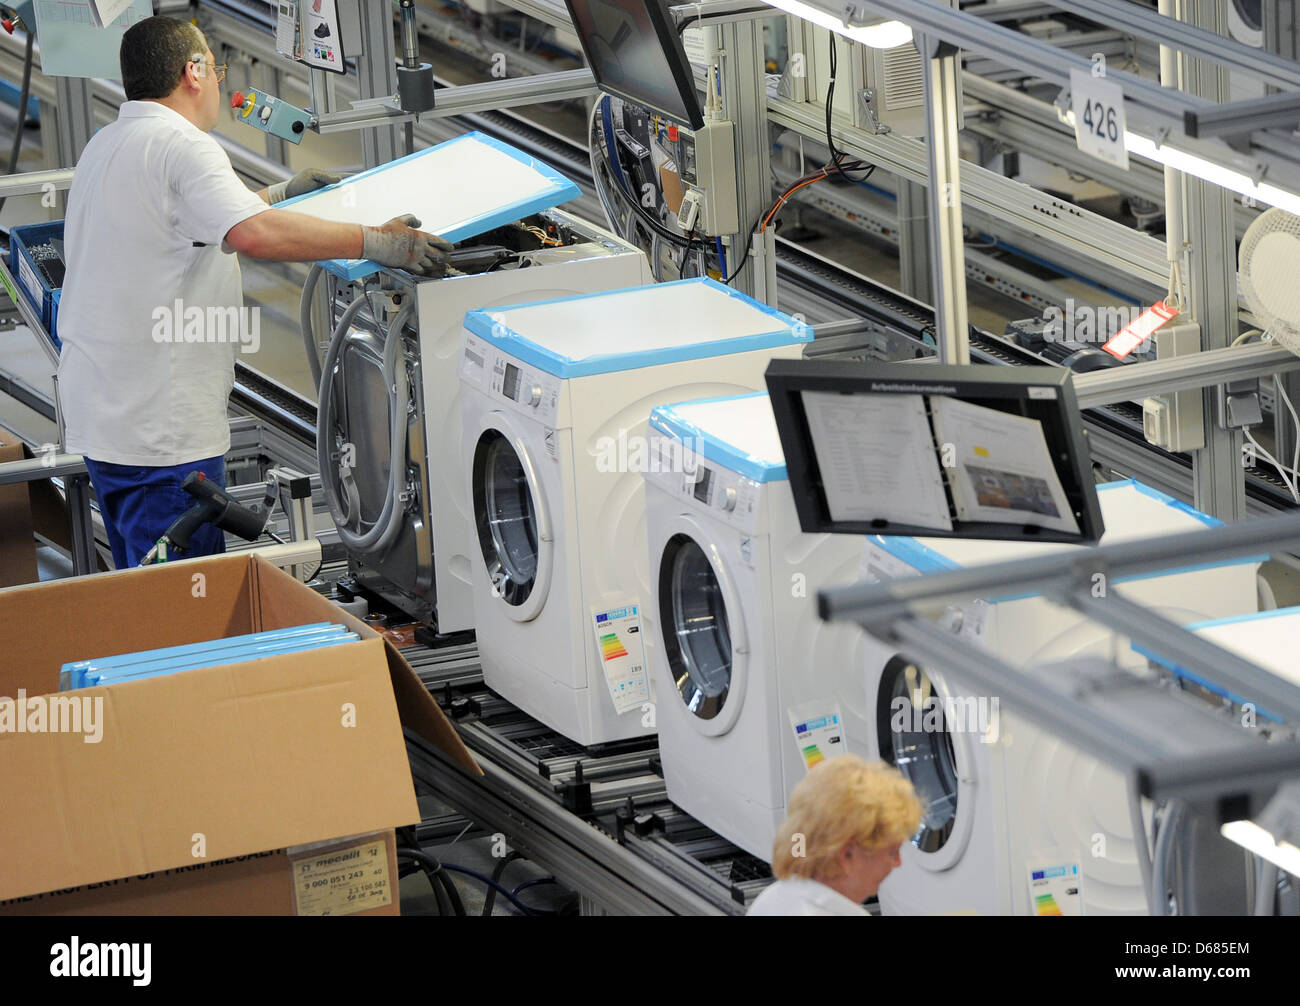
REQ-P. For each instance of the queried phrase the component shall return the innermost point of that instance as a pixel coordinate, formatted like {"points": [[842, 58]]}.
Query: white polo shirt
{"points": [[801, 896], [151, 316]]}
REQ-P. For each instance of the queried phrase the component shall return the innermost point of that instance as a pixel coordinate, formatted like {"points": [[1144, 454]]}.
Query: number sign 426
{"points": [[1099, 117]]}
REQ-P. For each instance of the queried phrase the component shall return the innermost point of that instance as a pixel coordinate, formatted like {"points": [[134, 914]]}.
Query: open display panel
{"points": [[635, 53], [935, 451]]}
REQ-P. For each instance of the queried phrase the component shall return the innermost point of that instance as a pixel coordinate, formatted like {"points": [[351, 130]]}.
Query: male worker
{"points": [[154, 216]]}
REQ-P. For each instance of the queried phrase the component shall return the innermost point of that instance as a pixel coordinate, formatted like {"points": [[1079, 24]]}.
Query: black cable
{"points": [[497, 873], [439, 893], [25, 94], [640, 211], [682, 26], [451, 895], [837, 164]]}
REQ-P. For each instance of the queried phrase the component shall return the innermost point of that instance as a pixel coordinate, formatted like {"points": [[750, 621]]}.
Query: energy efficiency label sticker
{"points": [[818, 731], [1055, 889], [618, 646]]}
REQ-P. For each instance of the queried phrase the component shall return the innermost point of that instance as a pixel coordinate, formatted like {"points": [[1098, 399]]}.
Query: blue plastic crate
{"points": [[21, 264], [53, 326]]}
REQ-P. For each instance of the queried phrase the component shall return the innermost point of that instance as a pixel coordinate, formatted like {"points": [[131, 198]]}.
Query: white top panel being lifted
{"points": [[642, 327], [457, 189]]}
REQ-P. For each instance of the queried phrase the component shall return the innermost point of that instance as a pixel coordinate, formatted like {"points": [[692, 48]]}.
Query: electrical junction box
{"points": [[1176, 421], [707, 164], [271, 115]]}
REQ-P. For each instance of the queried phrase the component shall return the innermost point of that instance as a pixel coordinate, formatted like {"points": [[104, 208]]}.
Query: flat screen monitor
{"points": [[635, 53], [935, 451]]}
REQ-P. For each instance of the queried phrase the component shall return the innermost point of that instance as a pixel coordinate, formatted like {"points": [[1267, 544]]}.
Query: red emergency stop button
{"points": [[237, 100]]}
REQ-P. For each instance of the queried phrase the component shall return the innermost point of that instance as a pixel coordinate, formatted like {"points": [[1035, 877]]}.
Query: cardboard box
{"points": [[271, 786]]}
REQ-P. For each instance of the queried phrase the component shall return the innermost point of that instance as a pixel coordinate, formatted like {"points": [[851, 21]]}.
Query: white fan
{"points": [[1268, 274]]}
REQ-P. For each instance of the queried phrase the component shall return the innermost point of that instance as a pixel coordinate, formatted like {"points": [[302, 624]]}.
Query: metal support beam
{"points": [[876, 605], [467, 99], [85, 560], [744, 102], [1234, 118], [1194, 37], [76, 118], [913, 224], [1178, 373], [942, 64], [377, 78], [1017, 206], [1219, 485]]}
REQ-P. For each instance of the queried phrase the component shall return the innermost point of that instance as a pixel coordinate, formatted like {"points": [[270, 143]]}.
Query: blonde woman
{"points": [[844, 826]]}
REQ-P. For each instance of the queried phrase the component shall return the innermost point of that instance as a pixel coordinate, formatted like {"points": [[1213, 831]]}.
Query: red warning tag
{"points": [[1139, 330]]}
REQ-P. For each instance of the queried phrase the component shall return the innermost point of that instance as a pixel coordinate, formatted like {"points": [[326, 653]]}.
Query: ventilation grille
{"points": [[903, 84]]}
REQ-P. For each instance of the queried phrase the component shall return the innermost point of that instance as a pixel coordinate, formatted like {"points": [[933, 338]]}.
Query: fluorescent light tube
{"points": [[1200, 167], [1192, 164], [1253, 838], [886, 35]]}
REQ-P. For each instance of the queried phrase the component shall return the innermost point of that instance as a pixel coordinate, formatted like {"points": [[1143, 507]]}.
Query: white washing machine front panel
{"points": [[726, 741], [580, 378], [1028, 798]]}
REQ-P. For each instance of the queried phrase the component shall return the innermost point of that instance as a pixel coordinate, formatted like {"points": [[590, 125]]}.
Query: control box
{"points": [[707, 165], [271, 115]]}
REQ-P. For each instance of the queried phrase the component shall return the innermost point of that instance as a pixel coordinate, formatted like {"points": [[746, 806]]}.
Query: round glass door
{"points": [[506, 518], [915, 737], [697, 638]]}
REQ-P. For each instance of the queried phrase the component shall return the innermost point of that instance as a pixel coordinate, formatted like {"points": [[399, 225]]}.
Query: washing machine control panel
{"points": [[517, 385], [705, 485]]}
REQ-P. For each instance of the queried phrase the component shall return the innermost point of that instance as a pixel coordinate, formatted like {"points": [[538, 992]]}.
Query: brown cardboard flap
{"points": [[206, 765], [17, 544], [417, 707]]}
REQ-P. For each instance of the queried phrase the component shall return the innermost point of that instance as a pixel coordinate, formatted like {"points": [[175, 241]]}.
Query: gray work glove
{"points": [[399, 246], [308, 180]]}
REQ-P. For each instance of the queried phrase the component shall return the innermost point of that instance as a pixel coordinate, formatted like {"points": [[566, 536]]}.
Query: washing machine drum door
{"points": [[694, 599], [507, 518], [915, 738]]}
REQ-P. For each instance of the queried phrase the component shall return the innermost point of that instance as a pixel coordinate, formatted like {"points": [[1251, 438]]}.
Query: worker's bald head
{"points": [[154, 53]]}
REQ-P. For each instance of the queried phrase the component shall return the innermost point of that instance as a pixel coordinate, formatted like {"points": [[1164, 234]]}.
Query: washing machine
{"points": [[1265, 638], [426, 572], [753, 687], [1008, 804], [555, 402]]}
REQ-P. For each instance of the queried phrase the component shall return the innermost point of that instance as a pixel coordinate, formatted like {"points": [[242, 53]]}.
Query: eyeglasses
{"points": [[219, 69]]}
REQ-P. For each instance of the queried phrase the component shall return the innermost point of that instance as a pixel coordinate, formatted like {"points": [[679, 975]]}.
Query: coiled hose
{"points": [[381, 533], [304, 322]]}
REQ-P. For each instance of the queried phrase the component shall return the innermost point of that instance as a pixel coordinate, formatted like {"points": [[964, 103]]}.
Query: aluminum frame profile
{"points": [[1205, 369], [1159, 110], [1063, 224], [1066, 577]]}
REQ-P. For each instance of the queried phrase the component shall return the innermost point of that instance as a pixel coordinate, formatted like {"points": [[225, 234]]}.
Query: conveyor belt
{"points": [[584, 803]]}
